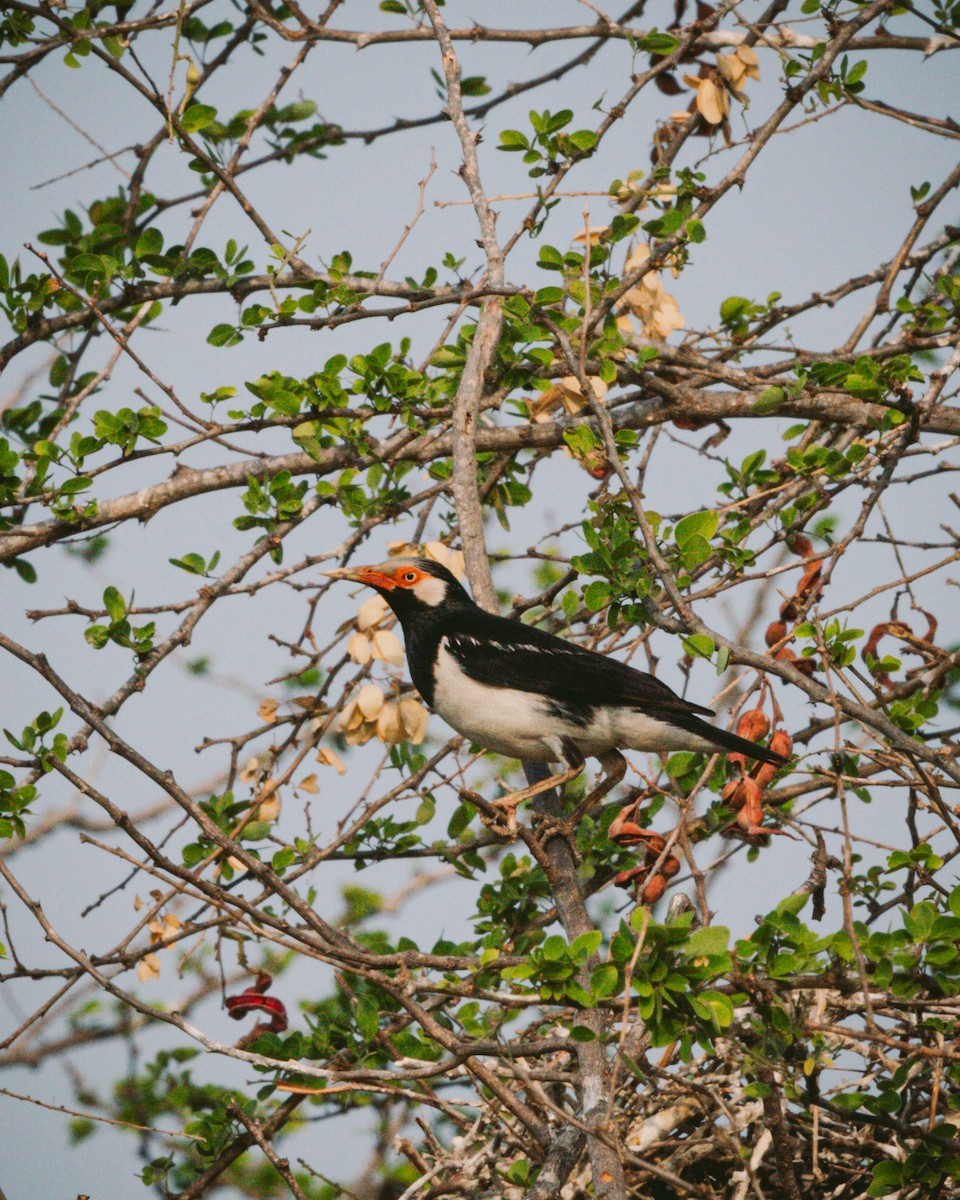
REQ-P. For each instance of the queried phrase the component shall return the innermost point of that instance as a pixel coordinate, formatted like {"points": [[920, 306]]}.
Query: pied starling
{"points": [[524, 693]]}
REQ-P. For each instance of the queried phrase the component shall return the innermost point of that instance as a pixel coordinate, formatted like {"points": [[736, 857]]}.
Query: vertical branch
{"points": [[605, 1162], [466, 410]]}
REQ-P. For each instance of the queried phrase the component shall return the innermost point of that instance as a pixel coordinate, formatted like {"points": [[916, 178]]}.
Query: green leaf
{"points": [[256, 831], [699, 645], [733, 309], [596, 595], [193, 563], [149, 242], [708, 943], [115, 604], [71, 486], [703, 524], [426, 810], [368, 1018], [887, 1178], [715, 1007], [585, 945], [197, 117], [659, 43], [604, 980], [223, 335], [695, 550], [512, 139]]}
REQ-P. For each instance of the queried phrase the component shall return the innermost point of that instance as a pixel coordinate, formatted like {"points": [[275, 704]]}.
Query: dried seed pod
{"points": [[670, 866], [764, 774], [800, 544], [776, 632], [632, 875], [781, 743], [654, 890], [810, 585], [742, 792], [753, 725]]}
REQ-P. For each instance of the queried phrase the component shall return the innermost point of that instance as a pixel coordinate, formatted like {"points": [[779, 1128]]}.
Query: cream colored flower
{"points": [[370, 714], [358, 721], [595, 233], [372, 612], [164, 927], [148, 968], [655, 308], [250, 771], [386, 647], [370, 700], [413, 720], [451, 559], [354, 726], [388, 724], [566, 393], [360, 649], [330, 758], [268, 809]]}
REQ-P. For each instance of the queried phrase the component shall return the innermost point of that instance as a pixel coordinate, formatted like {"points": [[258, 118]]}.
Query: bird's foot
{"points": [[500, 816], [501, 820], [548, 827]]}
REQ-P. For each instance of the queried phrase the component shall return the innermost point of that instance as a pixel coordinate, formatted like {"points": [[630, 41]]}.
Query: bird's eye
{"points": [[409, 577]]}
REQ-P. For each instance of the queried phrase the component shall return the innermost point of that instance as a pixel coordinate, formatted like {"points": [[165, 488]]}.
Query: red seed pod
{"points": [[810, 585], [800, 544], [239, 1006], [628, 833], [626, 879], [781, 743], [732, 795], [654, 890], [763, 774], [253, 1001], [670, 866], [753, 725], [744, 791], [776, 632]]}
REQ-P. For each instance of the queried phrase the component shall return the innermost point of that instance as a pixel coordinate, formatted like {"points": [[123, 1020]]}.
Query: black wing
{"points": [[505, 653]]}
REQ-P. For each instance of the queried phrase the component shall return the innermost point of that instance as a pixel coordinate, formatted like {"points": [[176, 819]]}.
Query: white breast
{"points": [[523, 725], [504, 720]]}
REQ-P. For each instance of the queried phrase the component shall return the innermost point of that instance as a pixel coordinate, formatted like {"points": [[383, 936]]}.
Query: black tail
{"points": [[730, 742]]}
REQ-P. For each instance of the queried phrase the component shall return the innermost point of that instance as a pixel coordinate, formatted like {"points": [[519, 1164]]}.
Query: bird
{"points": [[524, 693]]}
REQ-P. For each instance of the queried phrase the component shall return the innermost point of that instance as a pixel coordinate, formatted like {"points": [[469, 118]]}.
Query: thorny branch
{"points": [[667, 1060]]}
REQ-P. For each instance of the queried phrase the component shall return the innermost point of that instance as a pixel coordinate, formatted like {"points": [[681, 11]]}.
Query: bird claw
{"points": [[499, 816], [548, 827]]}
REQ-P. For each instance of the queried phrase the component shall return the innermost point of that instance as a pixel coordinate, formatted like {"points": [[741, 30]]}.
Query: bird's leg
{"points": [[614, 768], [507, 805]]}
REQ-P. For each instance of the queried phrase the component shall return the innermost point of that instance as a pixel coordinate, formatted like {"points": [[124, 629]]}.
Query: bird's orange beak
{"points": [[369, 576]]}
